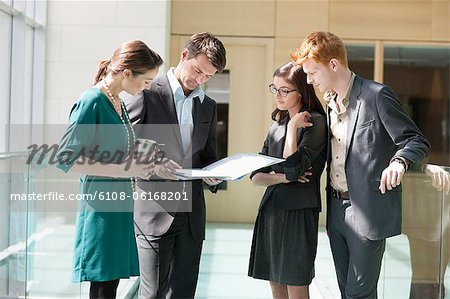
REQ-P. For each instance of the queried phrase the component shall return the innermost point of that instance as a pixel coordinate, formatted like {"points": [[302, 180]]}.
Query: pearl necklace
{"points": [[129, 129], [113, 99]]}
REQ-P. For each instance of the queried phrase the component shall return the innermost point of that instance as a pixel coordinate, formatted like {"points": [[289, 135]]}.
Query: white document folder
{"points": [[230, 168]]}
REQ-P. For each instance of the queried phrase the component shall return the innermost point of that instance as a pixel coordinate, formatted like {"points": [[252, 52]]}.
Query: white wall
{"points": [[81, 33]]}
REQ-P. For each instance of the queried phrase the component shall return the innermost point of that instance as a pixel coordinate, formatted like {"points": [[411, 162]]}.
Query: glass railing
{"points": [[415, 263], [36, 243], [15, 229]]}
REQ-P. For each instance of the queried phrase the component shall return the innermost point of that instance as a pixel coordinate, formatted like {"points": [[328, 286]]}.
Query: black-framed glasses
{"points": [[282, 91]]}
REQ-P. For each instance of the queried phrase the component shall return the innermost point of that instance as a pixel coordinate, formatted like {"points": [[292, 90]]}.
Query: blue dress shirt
{"points": [[183, 106]]}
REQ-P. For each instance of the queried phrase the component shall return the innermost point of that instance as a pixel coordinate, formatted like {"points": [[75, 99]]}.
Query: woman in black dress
{"points": [[285, 235]]}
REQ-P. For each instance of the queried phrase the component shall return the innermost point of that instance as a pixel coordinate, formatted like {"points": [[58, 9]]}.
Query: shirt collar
{"points": [[178, 90], [330, 94], [349, 90]]}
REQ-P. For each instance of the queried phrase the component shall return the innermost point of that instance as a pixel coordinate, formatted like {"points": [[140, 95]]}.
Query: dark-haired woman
{"points": [[97, 144], [285, 235]]}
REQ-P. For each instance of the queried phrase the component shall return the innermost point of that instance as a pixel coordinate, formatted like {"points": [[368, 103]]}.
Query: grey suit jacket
{"points": [[378, 130], [157, 108]]}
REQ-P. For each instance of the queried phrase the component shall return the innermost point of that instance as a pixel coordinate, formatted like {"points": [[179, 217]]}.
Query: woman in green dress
{"points": [[97, 144]]}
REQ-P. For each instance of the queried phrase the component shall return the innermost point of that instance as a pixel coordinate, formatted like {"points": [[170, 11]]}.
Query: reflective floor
{"points": [[223, 271], [36, 248], [223, 266]]}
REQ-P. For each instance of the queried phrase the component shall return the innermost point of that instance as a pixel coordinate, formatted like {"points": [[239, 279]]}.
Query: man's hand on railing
{"points": [[440, 179]]}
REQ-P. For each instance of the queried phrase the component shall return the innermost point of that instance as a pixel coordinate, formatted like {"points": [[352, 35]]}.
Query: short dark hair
{"points": [[211, 46], [294, 74]]}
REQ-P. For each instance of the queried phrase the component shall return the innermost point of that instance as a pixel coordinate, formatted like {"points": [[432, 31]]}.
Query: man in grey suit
{"points": [[372, 142], [169, 237]]}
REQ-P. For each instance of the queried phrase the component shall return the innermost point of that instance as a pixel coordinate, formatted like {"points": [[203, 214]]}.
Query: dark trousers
{"points": [[169, 264], [103, 289], [357, 259]]}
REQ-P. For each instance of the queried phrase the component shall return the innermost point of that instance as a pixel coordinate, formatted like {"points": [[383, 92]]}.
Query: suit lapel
{"points": [[329, 137], [299, 135], [353, 111], [167, 101], [278, 138], [201, 126], [299, 132]]}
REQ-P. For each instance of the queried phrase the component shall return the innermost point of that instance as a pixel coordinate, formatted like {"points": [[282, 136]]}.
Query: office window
{"points": [[28, 75], [218, 88], [5, 44], [420, 77], [361, 59], [29, 9], [22, 42]]}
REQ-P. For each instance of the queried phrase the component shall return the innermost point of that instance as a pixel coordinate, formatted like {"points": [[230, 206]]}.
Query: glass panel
{"points": [[420, 77], [415, 262], [40, 8], [218, 88], [14, 269], [444, 274], [5, 44], [361, 59], [20, 5], [30, 8], [28, 75]]}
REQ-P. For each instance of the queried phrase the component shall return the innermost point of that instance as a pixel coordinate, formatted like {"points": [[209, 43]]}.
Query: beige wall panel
{"points": [[299, 18], [250, 63], [316, 1], [248, 100], [241, 18], [283, 47], [176, 45], [381, 20], [381, 1], [441, 21]]}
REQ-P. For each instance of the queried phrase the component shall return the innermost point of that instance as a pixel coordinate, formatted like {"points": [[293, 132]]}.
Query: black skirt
{"points": [[284, 245]]}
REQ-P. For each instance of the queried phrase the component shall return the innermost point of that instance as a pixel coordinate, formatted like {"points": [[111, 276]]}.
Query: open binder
{"points": [[230, 168]]}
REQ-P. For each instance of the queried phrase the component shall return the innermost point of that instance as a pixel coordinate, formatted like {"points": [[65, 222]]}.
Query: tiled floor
{"points": [[223, 270]]}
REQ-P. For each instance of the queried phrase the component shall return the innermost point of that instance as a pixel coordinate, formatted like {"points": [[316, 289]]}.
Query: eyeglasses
{"points": [[283, 91]]}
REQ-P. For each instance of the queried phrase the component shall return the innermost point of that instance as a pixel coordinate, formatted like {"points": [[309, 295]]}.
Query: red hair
{"points": [[322, 47]]}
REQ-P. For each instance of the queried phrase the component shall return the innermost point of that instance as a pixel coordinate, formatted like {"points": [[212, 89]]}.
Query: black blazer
{"points": [[378, 130], [311, 152], [157, 108]]}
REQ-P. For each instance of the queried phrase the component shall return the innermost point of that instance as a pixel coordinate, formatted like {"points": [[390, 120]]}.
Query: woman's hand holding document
{"points": [[229, 168]]}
